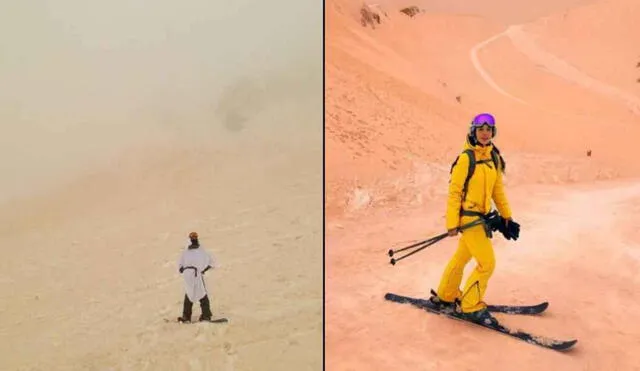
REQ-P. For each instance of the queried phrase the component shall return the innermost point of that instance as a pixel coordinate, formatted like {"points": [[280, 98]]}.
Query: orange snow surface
{"points": [[561, 77]]}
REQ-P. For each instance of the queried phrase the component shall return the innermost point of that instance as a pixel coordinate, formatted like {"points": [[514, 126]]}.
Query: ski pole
{"points": [[429, 242], [438, 238], [391, 252]]}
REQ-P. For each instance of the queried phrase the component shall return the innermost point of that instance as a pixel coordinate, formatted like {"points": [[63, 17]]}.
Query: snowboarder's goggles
{"points": [[483, 120]]}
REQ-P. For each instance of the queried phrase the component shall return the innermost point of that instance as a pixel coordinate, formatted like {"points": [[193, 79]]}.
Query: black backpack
{"points": [[496, 158]]}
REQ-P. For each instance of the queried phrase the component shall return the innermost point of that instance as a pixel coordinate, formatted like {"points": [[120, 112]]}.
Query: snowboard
{"points": [[213, 320]]}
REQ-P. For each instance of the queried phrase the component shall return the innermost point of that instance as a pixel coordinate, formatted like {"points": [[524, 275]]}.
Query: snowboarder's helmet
{"points": [[193, 236], [481, 120]]}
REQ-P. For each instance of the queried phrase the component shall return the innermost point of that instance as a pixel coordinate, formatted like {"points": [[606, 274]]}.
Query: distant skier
{"points": [[194, 262]]}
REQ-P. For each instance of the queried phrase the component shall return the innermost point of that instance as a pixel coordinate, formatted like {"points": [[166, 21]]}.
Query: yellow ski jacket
{"points": [[485, 184]]}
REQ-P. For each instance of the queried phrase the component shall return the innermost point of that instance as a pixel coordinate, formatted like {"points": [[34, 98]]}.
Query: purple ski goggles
{"points": [[483, 119]]}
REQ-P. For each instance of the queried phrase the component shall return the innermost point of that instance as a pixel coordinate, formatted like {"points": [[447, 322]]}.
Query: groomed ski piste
{"points": [[127, 125], [401, 93]]}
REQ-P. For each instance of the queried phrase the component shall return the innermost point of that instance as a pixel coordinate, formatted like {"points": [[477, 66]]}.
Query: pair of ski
{"points": [[559, 345]]}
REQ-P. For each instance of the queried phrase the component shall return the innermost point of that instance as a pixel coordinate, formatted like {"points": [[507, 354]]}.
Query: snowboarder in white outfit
{"points": [[194, 262]]}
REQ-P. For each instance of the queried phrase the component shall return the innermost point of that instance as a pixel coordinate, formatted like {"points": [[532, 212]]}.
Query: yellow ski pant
{"points": [[473, 243]]}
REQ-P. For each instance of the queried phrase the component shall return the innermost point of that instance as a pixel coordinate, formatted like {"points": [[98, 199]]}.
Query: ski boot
{"points": [[481, 317], [441, 305]]}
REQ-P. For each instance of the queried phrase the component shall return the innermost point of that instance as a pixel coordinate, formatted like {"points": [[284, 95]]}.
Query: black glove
{"points": [[509, 229], [493, 221], [502, 227], [513, 229], [181, 269]]}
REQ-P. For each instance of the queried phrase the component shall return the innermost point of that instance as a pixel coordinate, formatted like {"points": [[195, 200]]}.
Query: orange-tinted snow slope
{"points": [[563, 80]]}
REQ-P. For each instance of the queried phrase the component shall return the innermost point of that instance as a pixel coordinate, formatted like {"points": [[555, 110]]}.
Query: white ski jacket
{"points": [[192, 263]]}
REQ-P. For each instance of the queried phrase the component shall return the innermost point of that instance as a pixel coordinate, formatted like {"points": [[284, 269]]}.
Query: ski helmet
{"points": [[193, 236], [481, 120]]}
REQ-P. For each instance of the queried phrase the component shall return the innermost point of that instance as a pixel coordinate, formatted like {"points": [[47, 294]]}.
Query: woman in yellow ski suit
{"points": [[484, 185]]}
